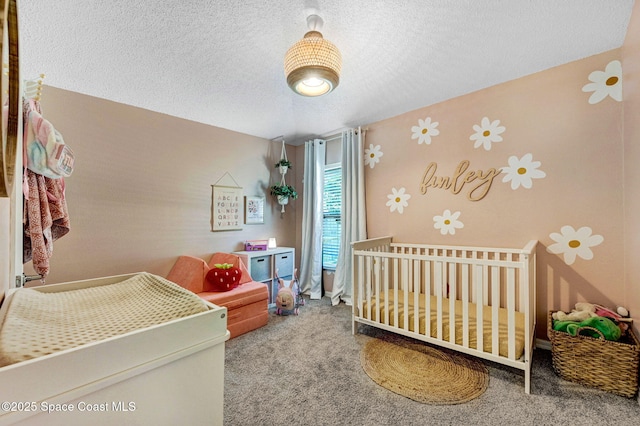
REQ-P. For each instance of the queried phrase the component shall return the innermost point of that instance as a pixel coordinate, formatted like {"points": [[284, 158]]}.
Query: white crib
{"points": [[489, 294]]}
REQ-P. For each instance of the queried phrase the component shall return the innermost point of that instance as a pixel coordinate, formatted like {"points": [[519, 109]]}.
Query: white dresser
{"points": [[170, 373]]}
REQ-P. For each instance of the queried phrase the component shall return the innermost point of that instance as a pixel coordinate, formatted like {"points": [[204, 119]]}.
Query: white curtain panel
{"points": [[313, 190], [353, 216]]}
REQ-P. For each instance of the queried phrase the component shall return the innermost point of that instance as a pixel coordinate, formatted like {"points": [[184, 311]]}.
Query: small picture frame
{"points": [[253, 210]]}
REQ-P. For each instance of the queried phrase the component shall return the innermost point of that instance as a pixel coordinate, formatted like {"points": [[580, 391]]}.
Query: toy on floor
{"points": [[288, 298], [588, 327], [595, 316], [582, 312], [585, 310]]}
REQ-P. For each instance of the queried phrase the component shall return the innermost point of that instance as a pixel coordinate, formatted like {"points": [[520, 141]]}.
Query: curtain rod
{"points": [[334, 137], [339, 135]]}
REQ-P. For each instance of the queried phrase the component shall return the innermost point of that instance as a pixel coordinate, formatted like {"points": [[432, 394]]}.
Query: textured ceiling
{"points": [[220, 62]]}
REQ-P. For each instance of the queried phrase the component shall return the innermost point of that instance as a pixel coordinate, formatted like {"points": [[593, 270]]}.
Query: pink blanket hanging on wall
{"points": [[46, 220]]}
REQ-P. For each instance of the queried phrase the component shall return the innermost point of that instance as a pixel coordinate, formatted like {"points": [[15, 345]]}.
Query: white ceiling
{"points": [[220, 62]]}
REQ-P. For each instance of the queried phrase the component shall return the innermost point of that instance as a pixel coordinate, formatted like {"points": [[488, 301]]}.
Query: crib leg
{"points": [[527, 380]]}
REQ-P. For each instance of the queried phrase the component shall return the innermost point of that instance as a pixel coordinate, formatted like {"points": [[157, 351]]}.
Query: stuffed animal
{"points": [[582, 312], [608, 328], [585, 310], [223, 277], [620, 316], [286, 299]]}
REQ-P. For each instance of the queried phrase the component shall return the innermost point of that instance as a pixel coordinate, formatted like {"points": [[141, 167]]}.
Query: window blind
{"points": [[331, 226]]}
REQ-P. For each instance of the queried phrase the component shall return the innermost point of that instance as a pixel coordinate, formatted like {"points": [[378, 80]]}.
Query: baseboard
{"points": [[326, 294], [543, 344]]}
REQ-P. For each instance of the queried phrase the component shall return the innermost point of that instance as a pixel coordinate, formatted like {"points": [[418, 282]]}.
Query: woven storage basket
{"points": [[603, 364]]}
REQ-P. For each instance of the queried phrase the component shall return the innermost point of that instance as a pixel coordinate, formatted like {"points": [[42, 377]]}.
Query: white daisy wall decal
{"points": [[522, 171], [372, 155], [487, 132], [572, 243], [398, 200], [448, 222], [425, 130], [605, 83]]}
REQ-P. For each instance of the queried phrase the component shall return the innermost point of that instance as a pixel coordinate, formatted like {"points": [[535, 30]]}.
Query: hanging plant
{"points": [[283, 162], [283, 193], [283, 165]]}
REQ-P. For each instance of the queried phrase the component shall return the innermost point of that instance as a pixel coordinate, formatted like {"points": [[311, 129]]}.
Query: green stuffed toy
{"points": [[608, 328]]}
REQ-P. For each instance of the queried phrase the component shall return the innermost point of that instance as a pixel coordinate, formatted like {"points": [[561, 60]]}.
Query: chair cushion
{"points": [[248, 320], [189, 272], [242, 295]]}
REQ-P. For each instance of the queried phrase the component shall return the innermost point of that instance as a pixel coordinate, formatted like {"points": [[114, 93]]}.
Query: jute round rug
{"points": [[422, 373]]}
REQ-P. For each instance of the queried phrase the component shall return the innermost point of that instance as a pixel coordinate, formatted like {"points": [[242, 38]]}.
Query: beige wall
{"points": [[631, 90], [548, 116], [140, 194]]}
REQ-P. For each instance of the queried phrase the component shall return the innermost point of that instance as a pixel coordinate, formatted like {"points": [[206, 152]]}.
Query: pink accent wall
{"points": [[140, 194], [631, 91], [579, 146]]}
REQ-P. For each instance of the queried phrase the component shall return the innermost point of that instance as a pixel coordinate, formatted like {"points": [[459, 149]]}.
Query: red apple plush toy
{"points": [[223, 277]]}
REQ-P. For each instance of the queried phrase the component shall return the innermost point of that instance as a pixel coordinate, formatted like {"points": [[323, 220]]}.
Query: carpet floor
{"points": [[306, 370]]}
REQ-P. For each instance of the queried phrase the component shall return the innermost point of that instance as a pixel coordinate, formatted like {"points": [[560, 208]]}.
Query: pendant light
{"points": [[312, 65]]}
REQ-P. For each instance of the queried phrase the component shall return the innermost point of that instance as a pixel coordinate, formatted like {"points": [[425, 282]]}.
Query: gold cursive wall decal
{"points": [[479, 182]]}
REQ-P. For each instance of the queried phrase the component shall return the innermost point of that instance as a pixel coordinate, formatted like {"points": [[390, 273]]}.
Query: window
{"points": [[331, 207]]}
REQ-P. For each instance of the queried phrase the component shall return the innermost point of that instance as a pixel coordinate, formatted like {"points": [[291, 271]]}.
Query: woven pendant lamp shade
{"points": [[312, 65]]}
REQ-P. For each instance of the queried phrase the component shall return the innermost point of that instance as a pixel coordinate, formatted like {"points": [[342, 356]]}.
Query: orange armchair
{"points": [[247, 305]]}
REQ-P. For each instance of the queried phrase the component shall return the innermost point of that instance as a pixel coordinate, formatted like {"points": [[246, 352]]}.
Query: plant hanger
{"points": [[283, 191]]}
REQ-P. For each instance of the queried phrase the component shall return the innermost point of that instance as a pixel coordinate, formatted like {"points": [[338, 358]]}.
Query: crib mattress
{"points": [[378, 314], [39, 323]]}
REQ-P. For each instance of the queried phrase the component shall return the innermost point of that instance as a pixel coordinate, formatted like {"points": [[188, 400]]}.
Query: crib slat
{"points": [[452, 302], [474, 256], [367, 285], [480, 275], [511, 305], [427, 297], [405, 288], [495, 305], [385, 281], [376, 286], [522, 287], [485, 280], [438, 288], [416, 296], [465, 306], [396, 282]]}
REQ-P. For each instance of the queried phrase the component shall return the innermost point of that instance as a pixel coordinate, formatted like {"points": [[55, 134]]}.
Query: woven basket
{"points": [[603, 364]]}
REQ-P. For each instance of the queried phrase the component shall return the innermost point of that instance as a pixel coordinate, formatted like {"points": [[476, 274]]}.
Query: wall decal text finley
{"points": [[478, 182]]}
